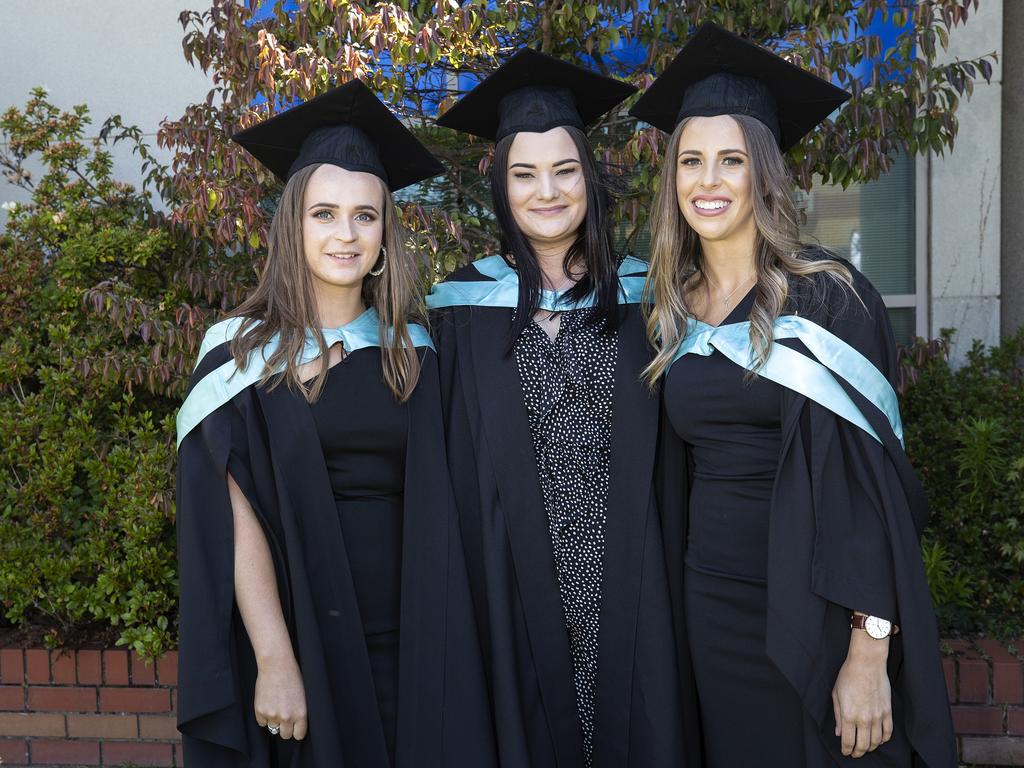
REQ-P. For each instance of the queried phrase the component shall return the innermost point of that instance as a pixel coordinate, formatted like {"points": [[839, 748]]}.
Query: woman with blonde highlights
{"points": [[791, 513], [325, 615]]}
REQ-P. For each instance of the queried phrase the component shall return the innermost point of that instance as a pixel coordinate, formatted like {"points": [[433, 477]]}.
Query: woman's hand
{"points": [[281, 698], [862, 697]]}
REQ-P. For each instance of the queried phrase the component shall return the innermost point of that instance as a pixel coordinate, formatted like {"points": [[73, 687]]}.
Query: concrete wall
{"points": [[1013, 168], [116, 56], [964, 200]]}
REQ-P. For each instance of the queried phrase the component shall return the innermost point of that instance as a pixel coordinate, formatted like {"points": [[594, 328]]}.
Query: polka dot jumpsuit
{"points": [[567, 387]]}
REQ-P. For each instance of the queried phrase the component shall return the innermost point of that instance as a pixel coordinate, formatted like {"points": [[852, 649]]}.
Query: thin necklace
{"points": [[733, 292]]}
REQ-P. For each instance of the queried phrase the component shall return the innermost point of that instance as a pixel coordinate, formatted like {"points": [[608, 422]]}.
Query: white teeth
{"points": [[710, 205]]}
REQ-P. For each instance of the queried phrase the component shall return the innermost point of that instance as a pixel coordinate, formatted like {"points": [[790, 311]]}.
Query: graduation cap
{"points": [[719, 73], [534, 92], [336, 128]]}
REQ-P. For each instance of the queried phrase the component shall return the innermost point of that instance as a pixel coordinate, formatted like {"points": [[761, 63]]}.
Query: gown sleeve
{"points": [[216, 666], [852, 563]]}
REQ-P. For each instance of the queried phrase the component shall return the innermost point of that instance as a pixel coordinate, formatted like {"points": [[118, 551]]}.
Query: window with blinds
{"points": [[873, 225]]}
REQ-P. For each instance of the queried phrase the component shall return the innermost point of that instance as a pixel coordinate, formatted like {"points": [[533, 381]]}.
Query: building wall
{"points": [[1012, 303], [963, 205], [116, 56]]}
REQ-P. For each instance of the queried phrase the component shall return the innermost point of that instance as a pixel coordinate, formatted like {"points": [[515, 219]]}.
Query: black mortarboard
{"points": [[719, 73], [336, 128], [534, 92]]}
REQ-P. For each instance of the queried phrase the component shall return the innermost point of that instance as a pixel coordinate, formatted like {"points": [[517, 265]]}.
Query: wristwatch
{"points": [[876, 627]]}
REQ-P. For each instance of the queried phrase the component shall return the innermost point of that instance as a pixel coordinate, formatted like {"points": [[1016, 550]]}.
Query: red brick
{"points": [[142, 673], [949, 671], [115, 667], [179, 756], [115, 753], [31, 724], [12, 666], [37, 663], [1015, 721], [1007, 673], [167, 668], [978, 720], [12, 697], [13, 752], [959, 646], [62, 699], [64, 752], [972, 676], [62, 667], [992, 751], [103, 726], [134, 700], [158, 727], [88, 663]]}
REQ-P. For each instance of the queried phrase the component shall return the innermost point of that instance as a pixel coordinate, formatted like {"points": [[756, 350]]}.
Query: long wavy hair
{"points": [[284, 302], [676, 272], [593, 248]]}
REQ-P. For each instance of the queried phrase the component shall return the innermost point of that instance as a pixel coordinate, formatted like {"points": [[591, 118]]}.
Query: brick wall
{"points": [[107, 708], [87, 707], [986, 689]]}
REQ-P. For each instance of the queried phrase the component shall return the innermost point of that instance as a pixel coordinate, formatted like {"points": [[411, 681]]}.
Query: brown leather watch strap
{"points": [[857, 621]]}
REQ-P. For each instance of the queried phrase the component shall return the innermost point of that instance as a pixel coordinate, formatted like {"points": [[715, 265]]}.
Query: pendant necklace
{"points": [[733, 291]]}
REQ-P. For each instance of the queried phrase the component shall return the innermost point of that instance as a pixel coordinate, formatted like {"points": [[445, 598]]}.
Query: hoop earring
{"points": [[383, 263]]}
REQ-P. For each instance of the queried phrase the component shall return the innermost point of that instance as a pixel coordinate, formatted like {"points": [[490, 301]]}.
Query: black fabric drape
{"points": [[846, 518], [268, 442], [639, 714]]}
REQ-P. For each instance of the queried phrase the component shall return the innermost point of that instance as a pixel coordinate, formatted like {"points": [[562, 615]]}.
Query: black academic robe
{"points": [[269, 444], [639, 714], [846, 519]]}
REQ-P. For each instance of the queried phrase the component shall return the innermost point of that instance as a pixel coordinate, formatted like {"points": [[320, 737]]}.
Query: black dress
{"points": [[733, 431], [768, 553], [363, 434]]}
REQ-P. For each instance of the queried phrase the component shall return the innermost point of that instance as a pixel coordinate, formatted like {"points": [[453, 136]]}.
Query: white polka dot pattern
{"points": [[567, 388]]}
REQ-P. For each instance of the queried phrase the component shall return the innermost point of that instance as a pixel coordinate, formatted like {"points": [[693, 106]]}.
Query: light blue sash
{"points": [[503, 289], [798, 372], [226, 381]]}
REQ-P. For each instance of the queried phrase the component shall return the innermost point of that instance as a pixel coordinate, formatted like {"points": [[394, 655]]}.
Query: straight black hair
{"points": [[594, 245]]}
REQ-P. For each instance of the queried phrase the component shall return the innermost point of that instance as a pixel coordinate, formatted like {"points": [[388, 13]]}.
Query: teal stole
{"points": [[226, 381], [502, 290], [812, 378]]}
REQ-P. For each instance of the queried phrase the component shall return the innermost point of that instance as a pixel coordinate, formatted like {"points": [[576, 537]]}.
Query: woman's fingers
{"points": [[876, 734], [837, 713], [887, 727], [299, 732], [863, 743], [287, 729], [848, 736]]}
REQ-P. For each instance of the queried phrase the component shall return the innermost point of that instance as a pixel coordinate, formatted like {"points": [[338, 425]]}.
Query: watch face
{"points": [[877, 628]]}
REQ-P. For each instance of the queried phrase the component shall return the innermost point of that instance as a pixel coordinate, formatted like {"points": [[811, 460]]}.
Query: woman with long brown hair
{"points": [[325, 615], [792, 514]]}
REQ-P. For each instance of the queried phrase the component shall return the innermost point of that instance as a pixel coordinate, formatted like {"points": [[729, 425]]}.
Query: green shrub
{"points": [[965, 435], [87, 455]]}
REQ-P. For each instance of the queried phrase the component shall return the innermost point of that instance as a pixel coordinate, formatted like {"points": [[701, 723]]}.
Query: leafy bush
{"points": [[964, 431], [87, 456]]}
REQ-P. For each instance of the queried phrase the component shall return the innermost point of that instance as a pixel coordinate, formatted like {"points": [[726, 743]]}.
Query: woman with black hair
{"points": [[551, 437]]}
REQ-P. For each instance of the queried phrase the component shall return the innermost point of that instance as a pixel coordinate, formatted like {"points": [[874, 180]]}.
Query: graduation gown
{"points": [[638, 709], [269, 444], [847, 511]]}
